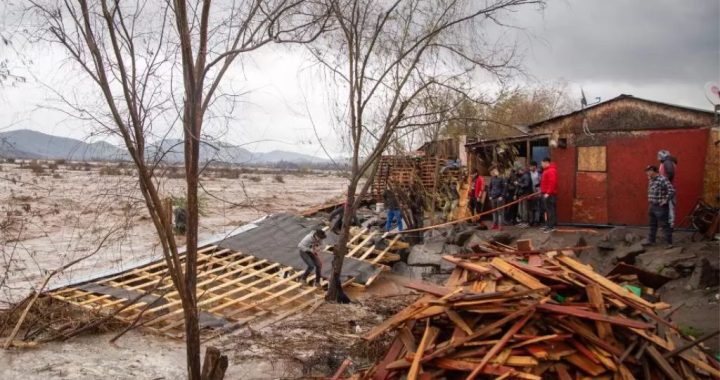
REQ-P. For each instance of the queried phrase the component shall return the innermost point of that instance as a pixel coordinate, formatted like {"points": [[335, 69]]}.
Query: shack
{"points": [[602, 150]]}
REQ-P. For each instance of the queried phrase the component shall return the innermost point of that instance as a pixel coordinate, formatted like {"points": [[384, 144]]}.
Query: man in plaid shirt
{"points": [[660, 192]]}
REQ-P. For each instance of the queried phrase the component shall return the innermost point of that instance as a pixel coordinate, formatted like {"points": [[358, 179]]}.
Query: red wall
{"points": [[627, 157]]}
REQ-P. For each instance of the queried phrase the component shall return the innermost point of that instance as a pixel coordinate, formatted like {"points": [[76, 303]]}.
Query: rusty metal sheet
{"points": [[590, 203]]}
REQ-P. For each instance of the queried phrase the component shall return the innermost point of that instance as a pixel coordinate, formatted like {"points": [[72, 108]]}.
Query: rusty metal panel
{"points": [[592, 159], [590, 203], [627, 183], [591, 185]]}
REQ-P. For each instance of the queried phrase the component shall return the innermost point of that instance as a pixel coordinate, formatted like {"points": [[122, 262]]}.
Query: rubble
{"points": [[505, 314]]}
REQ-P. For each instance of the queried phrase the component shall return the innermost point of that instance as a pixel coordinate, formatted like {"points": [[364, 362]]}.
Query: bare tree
{"points": [[160, 65], [391, 57]]}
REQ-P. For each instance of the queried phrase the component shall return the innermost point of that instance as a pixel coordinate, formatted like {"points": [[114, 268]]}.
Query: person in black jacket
{"points": [[496, 191], [524, 186], [511, 211]]}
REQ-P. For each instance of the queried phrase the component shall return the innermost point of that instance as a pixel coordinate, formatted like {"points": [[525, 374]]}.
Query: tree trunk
{"points": [[335, 293], [192, 340], [192, 332]]}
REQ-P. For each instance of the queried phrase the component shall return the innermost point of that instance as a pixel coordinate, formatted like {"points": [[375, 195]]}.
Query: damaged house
{"points": [[602, 150]]}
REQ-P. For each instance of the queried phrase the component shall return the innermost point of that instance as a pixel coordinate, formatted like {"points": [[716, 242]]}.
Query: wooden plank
{"points": [[578, 312], [500, 345], [663, 364], [218, 287], [596, 298], [602, 281], [458, 321], [586, 365], [361, 245], [227, 294], [387, 249], [465, 264], [429, 288], [518, 275], [415, 366]]}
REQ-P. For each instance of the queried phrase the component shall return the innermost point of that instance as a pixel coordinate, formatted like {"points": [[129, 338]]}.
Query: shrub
{"points": [[10, 160], [53, 166], [60, 161], [278, 178], [36, 168], [255, 178], [182, 202], [229, 173], [57, 175], [110, 170]]}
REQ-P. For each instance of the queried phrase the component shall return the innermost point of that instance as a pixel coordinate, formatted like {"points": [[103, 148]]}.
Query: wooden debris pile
{"points": [[535, 316]]}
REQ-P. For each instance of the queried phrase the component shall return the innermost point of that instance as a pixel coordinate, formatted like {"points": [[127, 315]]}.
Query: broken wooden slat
{"points": [[518, 275]]}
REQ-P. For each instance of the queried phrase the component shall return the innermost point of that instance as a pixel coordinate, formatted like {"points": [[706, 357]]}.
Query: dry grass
{"points": [[50, 319]]}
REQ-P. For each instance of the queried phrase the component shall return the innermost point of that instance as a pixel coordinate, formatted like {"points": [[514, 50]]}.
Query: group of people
{"points": [[532, 196]]}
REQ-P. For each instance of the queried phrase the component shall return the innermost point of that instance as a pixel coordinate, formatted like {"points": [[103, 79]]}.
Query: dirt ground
{"points": [[50, 218]]}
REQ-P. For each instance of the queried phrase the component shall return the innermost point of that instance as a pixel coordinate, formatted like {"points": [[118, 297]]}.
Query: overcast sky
{"points": [[663, 50]]}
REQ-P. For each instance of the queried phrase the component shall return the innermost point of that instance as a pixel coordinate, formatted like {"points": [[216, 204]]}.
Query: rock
{"points": [[628, 254], [436, 233], [670, 272], [452, 250], [462, 236], [426, 254], [655, 261], [632, 238], [473, 241], [503, 238], [415, 272], [606, 245], [705, 275]]}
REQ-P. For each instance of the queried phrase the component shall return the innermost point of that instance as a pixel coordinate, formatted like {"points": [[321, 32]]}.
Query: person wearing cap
{"points": [[309, 252], [660, 192], [667, 169]]}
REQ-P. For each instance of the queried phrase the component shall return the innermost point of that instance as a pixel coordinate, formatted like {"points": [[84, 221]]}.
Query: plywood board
{"points": [[592, 159]]}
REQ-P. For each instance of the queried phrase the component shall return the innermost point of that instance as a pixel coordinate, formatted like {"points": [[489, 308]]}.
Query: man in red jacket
{"points": [[548, 188], [475, 194]]}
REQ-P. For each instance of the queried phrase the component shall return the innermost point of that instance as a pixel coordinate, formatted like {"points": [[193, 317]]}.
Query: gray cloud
{"points": [[658, 49], [632, 46]]}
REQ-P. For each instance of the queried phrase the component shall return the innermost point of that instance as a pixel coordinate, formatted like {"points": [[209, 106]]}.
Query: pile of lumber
{"points": [[534, 316]]}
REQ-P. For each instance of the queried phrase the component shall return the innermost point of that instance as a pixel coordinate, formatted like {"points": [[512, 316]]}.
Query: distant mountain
{"points": [[24, 143], [297, 158], [29, 144]]}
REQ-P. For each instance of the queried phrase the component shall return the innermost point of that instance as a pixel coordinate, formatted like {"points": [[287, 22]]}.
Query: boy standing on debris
{"points": [[496, 191], [393, 209], [309, 252], [660, 192], [549, 187]]}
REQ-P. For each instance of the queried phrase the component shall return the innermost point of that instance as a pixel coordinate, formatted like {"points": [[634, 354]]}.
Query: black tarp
{"points": [[276, 237]]}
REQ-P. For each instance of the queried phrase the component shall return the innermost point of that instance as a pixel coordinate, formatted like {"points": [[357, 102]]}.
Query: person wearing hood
{"points": [[549, 188], [667, 169], [496, 191], [524, 188]]}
